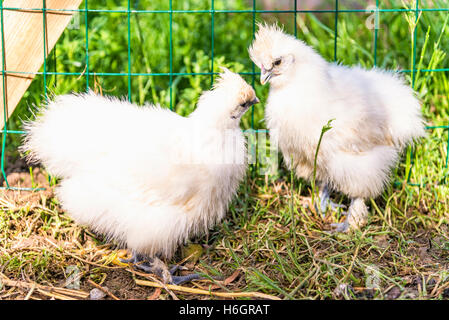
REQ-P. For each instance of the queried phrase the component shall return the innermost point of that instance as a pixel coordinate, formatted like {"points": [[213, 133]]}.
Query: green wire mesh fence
{"points": [[253, 13]]}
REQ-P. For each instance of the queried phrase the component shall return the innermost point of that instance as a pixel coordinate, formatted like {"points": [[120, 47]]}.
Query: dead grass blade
{"points": [[53, 292], [208, 293], [154, 280], [225, 282], [156, 294]]}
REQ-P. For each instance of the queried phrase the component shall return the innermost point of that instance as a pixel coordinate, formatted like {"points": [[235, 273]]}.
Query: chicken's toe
{"points": [[340, 227], [356, 217], [185, 278], [150, 265], [335, 206], [175, 268], [177, 280], [325, 204], [132, 260], [156, 266]]}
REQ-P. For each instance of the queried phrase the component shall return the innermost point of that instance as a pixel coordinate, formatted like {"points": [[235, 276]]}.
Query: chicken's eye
{"points": [[277, 62]]}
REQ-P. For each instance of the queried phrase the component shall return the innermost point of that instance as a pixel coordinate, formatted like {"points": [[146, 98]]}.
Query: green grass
{"points": [[280, 246]]}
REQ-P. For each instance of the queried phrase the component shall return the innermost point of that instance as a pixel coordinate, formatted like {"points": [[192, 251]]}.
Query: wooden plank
{"points": [[24, 43]]}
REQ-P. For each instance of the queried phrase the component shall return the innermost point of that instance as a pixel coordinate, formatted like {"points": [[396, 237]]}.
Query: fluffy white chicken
{"points": [[376, 115], [145, 176]]}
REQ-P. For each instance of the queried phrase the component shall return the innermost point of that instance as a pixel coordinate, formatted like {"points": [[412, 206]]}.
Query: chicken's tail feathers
{"points": [[404, 108], [51, 135], [363, 174], [30, 125], [407, 123], [400, 104]]}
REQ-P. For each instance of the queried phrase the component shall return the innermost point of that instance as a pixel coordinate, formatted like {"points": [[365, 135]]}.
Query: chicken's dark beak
{"points": [[250, 103], [254, 101], [265, 76]]}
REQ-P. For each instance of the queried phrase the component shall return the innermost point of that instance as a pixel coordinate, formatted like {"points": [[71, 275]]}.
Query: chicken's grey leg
{"points": [[325, 200], [356, 216], [156, 266]]}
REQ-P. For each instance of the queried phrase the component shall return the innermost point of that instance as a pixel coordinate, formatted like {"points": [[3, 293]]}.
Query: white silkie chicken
{"points": [[376, 115], [145, 176]]}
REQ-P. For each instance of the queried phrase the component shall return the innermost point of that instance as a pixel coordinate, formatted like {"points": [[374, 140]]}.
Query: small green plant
{"points": [[33, 183], [325, 128]]}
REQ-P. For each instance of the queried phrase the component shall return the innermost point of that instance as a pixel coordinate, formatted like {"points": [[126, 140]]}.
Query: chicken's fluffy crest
{"points": [[267, 38], [233, 82]]}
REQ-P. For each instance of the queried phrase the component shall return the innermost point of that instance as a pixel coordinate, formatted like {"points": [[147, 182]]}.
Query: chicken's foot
{"points": [[156, 266], [326, 202], [356, 217]]}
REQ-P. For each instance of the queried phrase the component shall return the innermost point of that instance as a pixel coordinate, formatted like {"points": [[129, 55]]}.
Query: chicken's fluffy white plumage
{"points": [[143, 175], [376, 115]]}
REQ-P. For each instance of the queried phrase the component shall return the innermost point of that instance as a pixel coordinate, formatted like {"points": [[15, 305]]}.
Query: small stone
{"points": [[96, 294]]}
